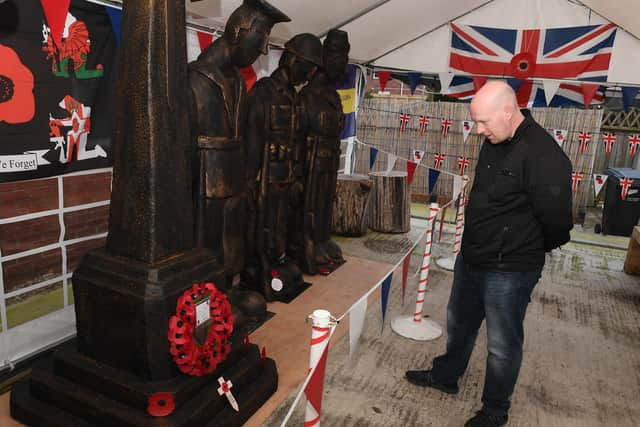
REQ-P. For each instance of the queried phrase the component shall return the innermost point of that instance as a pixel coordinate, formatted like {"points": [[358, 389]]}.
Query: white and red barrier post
{"points": [[321, 322], [448, 262], [417, 327]]}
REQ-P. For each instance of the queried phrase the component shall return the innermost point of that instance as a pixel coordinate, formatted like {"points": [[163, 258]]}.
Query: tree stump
{"points": [[389, 204], [349, 217]]}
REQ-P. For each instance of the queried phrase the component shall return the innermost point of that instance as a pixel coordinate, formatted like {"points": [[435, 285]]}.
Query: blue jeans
{"points": [[500, 297]]}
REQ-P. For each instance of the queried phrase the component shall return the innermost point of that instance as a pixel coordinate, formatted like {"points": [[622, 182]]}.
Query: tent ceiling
{"points": [[375, 26], [316, 17], [623, 12], [413, 34]]}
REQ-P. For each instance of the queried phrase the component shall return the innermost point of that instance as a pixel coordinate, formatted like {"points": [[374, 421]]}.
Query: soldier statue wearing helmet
{"points": [[321, 122], [218, 117], [274, 164]]}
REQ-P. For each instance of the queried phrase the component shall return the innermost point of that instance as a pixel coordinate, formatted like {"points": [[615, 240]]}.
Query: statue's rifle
{"points": [[263, 234], [309, 220]]}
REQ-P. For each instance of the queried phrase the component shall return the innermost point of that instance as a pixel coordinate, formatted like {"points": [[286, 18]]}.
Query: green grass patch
{"points": [[35, 306]]}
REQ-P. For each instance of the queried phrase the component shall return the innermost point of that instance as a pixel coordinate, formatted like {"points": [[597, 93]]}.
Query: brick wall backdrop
{"points": [[41, 196]]}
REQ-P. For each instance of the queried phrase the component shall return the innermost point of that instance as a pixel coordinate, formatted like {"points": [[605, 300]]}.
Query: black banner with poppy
{"points": [[57, 81]]}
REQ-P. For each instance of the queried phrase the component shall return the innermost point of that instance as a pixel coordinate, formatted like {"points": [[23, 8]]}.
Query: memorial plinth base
{"points": [[121, 355], [72, 390]]}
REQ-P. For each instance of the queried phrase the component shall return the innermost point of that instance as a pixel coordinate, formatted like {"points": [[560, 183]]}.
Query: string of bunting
{"points": [[559, 135], [454, 120], [391, 159], [599, 181]]}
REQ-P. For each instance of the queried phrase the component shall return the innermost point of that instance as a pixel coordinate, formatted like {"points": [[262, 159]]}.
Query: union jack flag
{"points": [[579, 53]]}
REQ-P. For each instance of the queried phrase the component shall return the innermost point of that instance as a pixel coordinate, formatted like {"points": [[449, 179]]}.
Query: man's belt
{"points": [[218, 143]]}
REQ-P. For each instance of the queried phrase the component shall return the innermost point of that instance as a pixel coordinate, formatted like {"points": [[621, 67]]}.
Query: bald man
{"points": [[519, 208]]}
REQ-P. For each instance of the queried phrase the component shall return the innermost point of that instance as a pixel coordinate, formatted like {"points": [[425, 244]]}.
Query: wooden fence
{"points": [[379, 127]]}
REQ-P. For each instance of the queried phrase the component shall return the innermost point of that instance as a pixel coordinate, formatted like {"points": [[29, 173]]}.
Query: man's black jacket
{"points": [[520, 203]]}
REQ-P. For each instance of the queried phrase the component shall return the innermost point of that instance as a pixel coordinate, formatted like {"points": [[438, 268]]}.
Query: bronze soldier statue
{"points": [[274, 163], [218, 114], [321, 123]]}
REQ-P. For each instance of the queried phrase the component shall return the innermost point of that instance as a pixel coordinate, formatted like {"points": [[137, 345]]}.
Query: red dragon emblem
{"points": [[75, 47]]}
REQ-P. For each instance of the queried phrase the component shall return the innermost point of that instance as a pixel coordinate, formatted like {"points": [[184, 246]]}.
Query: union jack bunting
{"points": [[404, 119], [446, 124], [625, 183], [424, 123], [576, 177], [579, 53], [608, 138], [530, 94], [584, 137], [437, 160], [634, 141], [463, 162]]}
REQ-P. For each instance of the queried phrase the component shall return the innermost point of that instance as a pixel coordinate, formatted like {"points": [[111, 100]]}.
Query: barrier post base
{"points": [[446, 263], [424, 330]]}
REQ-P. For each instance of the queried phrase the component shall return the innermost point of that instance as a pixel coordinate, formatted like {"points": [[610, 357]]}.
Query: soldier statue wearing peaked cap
{"points": [[218, 116]]}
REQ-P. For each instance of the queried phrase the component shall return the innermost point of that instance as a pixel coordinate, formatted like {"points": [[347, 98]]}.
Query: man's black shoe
{"points": [[424, 379], [482, 419]]}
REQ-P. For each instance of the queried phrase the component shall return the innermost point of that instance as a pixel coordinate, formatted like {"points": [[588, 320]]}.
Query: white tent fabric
{"points": [[414, 34]]}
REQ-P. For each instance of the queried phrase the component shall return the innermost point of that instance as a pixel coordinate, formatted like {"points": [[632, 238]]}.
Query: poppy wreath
{"points": [[192, 357]]}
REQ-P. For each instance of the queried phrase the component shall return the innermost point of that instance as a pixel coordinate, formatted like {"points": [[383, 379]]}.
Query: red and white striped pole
{"points": [[426, 261], [321, 322], [416, 327], [448, 263]]}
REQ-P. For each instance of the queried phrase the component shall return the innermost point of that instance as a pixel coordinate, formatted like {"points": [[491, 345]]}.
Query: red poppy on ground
{"points": [[17, 103], [161, 404]]}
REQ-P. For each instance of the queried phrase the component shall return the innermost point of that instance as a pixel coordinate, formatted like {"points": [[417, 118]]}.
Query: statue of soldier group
{"points": [[266, 161]]}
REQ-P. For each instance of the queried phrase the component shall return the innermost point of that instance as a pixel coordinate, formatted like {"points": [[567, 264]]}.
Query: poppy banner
{"points": [[56, 90]]}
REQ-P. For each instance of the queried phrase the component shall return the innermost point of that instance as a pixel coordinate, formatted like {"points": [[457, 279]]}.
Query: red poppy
{"points": [[17, 104], [161, 404]]}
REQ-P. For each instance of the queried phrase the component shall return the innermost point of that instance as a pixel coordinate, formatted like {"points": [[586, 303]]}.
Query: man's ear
{"points": [[508, 111]]}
